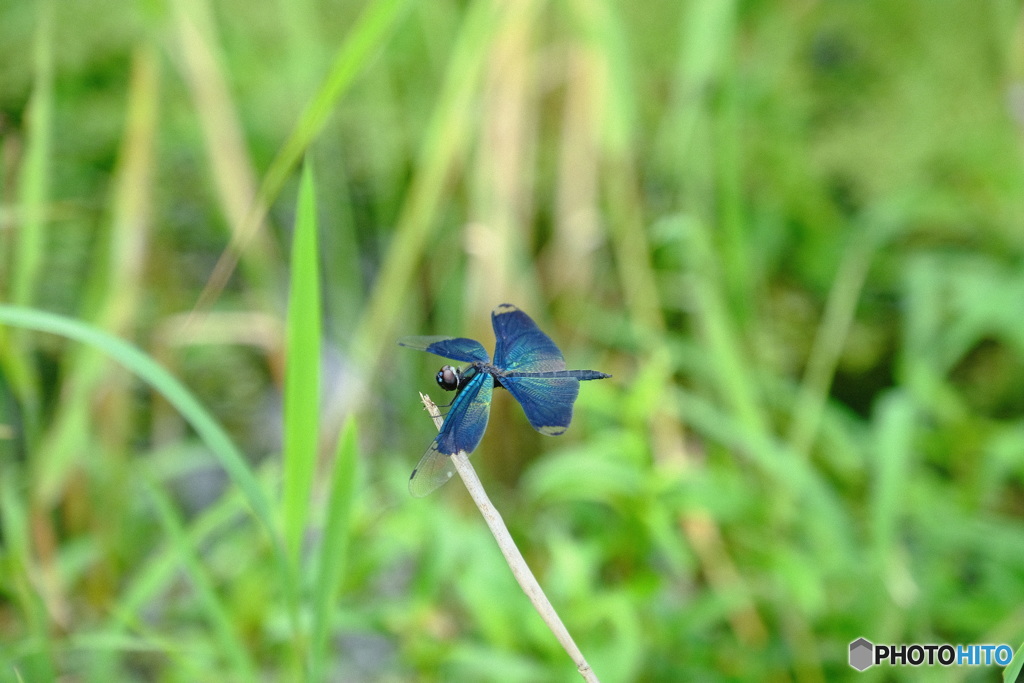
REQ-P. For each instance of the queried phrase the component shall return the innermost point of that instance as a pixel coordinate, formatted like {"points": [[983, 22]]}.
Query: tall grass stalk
{"points": [[366, 36], [25, 258], [113, 300], [444, 145]]}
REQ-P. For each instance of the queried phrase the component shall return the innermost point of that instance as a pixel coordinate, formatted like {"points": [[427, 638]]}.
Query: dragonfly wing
{"points": [[455, 348], [434, 469], [547, 401], [462, 430], [520, 345]]}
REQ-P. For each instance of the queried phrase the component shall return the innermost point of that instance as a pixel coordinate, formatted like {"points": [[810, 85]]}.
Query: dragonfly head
{"points": [[448, 378]]}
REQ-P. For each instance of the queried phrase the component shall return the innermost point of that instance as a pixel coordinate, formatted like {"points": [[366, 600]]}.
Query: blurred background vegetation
{"points": [[792, 231]]}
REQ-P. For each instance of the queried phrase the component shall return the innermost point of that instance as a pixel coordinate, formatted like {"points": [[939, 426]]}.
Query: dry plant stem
{"points": [[508, 547]]}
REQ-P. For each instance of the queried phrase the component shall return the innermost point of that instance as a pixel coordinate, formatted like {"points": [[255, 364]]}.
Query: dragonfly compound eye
{"points": [[448, 378]]}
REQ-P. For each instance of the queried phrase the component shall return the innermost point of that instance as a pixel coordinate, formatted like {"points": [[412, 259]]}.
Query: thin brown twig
{"points": [[508, 547]]}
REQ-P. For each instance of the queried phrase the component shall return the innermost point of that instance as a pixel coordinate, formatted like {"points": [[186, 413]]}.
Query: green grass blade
{"points": [[369, 33], [334, 544], [25, 262], [216, 612], [157, 573], [839, 315], [18, 586], [35, 172], [302, 373], [170, 388], [1012, 673], [892, 460], [727, 356]]}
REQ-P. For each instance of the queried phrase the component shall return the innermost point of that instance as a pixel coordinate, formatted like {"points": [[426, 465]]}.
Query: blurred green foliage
{"points": [[791, 230]]}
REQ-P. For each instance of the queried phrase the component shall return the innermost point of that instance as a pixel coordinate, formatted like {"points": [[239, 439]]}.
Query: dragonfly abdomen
{"points": [[582, 375]]}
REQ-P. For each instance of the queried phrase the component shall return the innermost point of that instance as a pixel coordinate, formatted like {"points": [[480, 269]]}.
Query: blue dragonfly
{"points": [[526, 363]]}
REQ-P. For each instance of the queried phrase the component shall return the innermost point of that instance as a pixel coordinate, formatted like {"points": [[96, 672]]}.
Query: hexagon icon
{"points": [[860, 654]]}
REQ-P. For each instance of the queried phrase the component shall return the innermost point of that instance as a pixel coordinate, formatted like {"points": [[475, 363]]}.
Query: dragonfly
{"points": [[526, 363]]}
